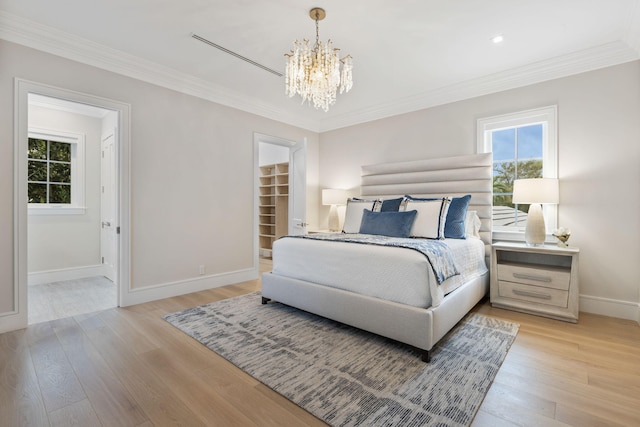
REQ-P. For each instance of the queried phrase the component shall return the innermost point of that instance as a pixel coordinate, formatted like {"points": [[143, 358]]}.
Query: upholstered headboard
{"points": [[448, 176]]}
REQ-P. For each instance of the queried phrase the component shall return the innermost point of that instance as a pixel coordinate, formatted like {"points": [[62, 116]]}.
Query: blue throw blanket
{"points": [[437, 252]]}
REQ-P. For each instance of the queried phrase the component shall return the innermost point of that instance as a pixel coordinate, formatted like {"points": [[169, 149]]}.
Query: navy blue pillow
{"points": [[454, 226], [391, 205], [392, 224]]}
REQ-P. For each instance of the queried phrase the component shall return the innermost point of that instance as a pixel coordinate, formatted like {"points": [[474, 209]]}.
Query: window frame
{"points": [[548, 117], [77, 205]]}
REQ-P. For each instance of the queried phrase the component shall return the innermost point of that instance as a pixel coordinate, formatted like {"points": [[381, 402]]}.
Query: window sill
{"points": [[56, 210]]}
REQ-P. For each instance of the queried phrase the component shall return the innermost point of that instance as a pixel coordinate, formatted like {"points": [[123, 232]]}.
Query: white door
{"points": [[298, 188], [108, 236]]}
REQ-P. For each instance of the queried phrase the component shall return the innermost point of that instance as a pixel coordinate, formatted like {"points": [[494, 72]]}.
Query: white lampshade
{"points": [[536, 190], [332, 196]]}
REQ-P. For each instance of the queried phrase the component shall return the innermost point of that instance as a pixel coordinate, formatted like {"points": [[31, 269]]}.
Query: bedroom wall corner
{"points": [[598, 156], [191, 176]]}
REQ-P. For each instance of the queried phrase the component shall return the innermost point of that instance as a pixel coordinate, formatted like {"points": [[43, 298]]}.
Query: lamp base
{"points": [[334, 220], [535, 231]]}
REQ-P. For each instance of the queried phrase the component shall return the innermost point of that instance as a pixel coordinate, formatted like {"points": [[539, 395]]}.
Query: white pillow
{"points": [[354, 212], [472, 224], [431, 217]]}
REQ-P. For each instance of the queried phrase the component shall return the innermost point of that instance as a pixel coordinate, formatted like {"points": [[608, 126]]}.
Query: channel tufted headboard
{"points": [[447, 176]]}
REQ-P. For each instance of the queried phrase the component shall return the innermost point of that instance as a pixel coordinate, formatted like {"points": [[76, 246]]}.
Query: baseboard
{"points": [[75, 273], [610, 307], [172, 289]]}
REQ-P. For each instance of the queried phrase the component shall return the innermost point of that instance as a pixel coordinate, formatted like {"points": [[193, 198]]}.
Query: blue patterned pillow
{"points": [[454, 227], [392, 224]]}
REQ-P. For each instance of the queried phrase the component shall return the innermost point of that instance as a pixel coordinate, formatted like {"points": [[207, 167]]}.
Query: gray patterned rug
{"points": [[348, 377]]}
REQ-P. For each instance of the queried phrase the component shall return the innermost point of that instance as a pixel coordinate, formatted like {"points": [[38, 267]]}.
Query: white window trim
{"points": [[548, 117], [77, 141]]}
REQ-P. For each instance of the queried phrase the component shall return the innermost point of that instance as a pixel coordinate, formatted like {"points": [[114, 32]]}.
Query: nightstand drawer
{"points": [[537, 294], [546, 277]]}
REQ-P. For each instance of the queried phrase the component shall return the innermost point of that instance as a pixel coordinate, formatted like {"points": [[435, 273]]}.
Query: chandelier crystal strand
{"points": [[314, 73]]}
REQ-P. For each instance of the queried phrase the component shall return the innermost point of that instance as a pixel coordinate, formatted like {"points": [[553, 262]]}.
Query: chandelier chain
{"points": [[317, 29]]}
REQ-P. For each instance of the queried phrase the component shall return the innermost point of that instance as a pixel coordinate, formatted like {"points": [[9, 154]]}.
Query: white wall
{"points": [[599, 154], [270, 154], [59, 242], [191, 173]]}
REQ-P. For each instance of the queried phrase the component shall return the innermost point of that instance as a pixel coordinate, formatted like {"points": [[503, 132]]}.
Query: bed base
{"points": [[425, 354], [421, 328]]}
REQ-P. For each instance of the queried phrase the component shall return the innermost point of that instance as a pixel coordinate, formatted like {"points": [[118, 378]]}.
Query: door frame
{"points": [[269, 139], [111, 184], [18, 318]]}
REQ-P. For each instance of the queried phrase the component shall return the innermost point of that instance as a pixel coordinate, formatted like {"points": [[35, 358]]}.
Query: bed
{"points": [[396, 292]]}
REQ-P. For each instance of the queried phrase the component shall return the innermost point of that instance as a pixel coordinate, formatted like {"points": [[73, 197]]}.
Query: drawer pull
{"points": [[532, 277], [531, 294]]}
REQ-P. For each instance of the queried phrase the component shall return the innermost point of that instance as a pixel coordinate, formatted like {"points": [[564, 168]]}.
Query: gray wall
{"points": [[192, 177], [599, 154]]}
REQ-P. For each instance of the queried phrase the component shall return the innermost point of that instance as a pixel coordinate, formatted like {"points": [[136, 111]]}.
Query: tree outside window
{"points": [[49, 172], [517, 154]]}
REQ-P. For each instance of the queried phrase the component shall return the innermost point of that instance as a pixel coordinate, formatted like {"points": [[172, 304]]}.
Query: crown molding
{"points": [[50, 40], [562, 66], [37, 36]]}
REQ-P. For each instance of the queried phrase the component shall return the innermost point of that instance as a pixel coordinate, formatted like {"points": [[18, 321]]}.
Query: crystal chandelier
{"points": [[315, 72]]}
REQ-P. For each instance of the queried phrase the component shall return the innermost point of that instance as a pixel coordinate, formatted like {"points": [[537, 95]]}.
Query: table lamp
{"points": [[333, 197], [535, 191]]}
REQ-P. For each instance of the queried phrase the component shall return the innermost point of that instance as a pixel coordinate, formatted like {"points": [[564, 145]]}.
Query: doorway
{"points": [[70, 254], [120, 116], [288, 181]]}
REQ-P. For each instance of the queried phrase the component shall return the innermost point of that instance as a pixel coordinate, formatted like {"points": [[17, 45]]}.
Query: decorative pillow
{"points": [[391, 205], [431, 217], [472, 224], [353, 214], [454, 227], [393, 224]]}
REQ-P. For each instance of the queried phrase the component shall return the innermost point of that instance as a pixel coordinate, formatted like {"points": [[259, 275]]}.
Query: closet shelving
{"points": [[273, 215]]}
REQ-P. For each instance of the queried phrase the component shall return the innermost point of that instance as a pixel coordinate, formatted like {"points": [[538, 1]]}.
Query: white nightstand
{"points": [[540, 280], [319, 231]]}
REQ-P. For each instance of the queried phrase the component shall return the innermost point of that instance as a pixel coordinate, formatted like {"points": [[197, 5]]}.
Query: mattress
{"points": [[392, 273]]}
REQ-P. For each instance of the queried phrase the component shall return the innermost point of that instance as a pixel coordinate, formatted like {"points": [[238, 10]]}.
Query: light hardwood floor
{"points": [[126, 366]]}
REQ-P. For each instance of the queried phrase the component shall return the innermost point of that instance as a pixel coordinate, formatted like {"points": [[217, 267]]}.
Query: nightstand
{"points": [[318, 231], [541, 280]]}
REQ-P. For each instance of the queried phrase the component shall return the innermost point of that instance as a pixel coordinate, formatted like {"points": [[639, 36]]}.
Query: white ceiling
{"points": [[407, 55]]}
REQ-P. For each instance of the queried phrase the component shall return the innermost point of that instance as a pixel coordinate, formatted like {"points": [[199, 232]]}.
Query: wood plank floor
{"points": [[127, 367]]}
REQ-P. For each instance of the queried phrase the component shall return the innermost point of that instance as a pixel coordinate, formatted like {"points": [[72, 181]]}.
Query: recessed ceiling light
{"points": [[498, 38]]}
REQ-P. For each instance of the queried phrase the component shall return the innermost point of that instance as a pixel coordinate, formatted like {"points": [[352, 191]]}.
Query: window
{"points": [[523, 146], [55, 177]]}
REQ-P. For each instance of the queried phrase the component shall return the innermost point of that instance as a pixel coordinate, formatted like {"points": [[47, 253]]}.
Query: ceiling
{"points": [[407, 55]]}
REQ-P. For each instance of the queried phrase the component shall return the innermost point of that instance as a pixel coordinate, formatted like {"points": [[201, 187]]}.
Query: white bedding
{"points": [[391, 273]]}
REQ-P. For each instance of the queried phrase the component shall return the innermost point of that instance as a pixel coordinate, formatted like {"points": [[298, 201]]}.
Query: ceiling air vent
{"points": [[237, 55]]}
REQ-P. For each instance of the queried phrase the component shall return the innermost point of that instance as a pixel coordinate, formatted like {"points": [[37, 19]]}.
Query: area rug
{"points": [[349, 377]]}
